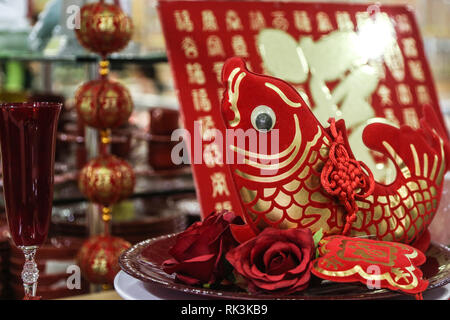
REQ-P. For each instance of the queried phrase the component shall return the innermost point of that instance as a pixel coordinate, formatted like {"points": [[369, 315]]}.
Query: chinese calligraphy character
{"points": [[410, 117], [239, 46], [226, 205], [385, 95], [209, 21], [217, 68], [212, 155], [404, 94], [257, 21], [344, 21], [195, 73], [415, 67], [214, 46], [201, 100], [393, 59], [183, 21], [219, 185], [207, 127], [410, 48], [302, 21], [279, 20], [323, 22], [189, 47], [403, 24], [390, 116], [233, 20], [423, 95], [220, 92]]}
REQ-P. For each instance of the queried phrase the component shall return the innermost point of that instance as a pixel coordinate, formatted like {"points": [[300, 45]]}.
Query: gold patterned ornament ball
{"points": [[98, 258], [104, 28], [106, 180], [103, 103]]}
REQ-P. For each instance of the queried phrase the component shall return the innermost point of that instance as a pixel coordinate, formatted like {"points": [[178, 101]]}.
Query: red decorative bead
{"points": [[104, 28], [106, 180], [98, 258], [103, 103]]}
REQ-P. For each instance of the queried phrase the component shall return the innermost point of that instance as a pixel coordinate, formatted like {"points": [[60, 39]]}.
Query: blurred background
{"points": [[40, 59]]}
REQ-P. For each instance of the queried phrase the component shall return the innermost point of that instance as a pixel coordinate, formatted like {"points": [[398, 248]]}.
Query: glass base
{"points": [[30, 272]]}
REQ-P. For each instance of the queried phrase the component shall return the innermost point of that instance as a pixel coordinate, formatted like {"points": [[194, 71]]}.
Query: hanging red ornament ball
{"points": [[98, 258], [104, 28], [103, 103], [106, 180]]}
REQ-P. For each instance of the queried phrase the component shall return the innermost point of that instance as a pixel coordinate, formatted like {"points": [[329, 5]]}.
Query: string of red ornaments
{"points": [[104, 104]]}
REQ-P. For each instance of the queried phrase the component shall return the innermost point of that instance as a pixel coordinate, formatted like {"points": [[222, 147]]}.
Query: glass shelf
{"points": [[151, 57]]}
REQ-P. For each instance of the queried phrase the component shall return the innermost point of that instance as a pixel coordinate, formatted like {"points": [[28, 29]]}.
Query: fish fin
{"points": [[412, 150]]}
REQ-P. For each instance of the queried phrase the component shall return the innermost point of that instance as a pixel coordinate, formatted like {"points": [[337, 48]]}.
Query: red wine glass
{"points": [[27, 137]]}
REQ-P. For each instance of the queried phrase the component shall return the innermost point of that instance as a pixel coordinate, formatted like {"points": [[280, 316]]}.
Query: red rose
{"points": [[275, 260], [198, 254]]}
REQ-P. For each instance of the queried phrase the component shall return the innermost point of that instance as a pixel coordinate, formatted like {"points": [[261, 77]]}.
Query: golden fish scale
{"points": [[300, 202], [398, 216]]}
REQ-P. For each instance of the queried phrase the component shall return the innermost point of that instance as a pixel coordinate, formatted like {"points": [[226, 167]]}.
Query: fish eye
{"points": [[263, 118]]}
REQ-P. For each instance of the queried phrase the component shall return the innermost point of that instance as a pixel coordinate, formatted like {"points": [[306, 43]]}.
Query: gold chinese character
{"points": [[239, 46], [410, 118], [207, 127], [301, 21], [212, 155], [233, 20], [226, 205], [344, 22], [220, 92], [217, 68], [393, 59], [403, 24], [279, 20], [99, 264], [362, 18], [410, 48], [201, 100], [390, 116], [183, 21], [257, 21], [385, 95], [323, 22], [209, 21], [423, 95], [214, 46], [189, 47], [378, 66], [219, 185], [404, 94], [195, 73], [415, 67]]}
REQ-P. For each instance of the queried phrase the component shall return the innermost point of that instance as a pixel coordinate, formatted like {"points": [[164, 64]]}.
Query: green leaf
{"points": [[317, 237]]}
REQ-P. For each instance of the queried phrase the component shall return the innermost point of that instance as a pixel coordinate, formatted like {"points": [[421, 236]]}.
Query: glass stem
{"points": [[30, 272]]}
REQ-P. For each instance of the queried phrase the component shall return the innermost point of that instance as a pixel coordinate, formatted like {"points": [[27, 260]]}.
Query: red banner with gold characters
{"points": [[361, 63]]}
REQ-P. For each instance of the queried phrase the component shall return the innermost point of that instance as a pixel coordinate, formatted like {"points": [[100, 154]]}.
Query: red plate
{"points": [[143, 261]]}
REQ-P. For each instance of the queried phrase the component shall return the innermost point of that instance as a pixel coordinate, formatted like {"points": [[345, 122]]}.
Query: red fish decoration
{"points": [[284, 186]]}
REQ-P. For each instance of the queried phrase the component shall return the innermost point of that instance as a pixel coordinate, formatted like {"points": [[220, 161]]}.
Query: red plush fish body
{"points": [[280, 184]]}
